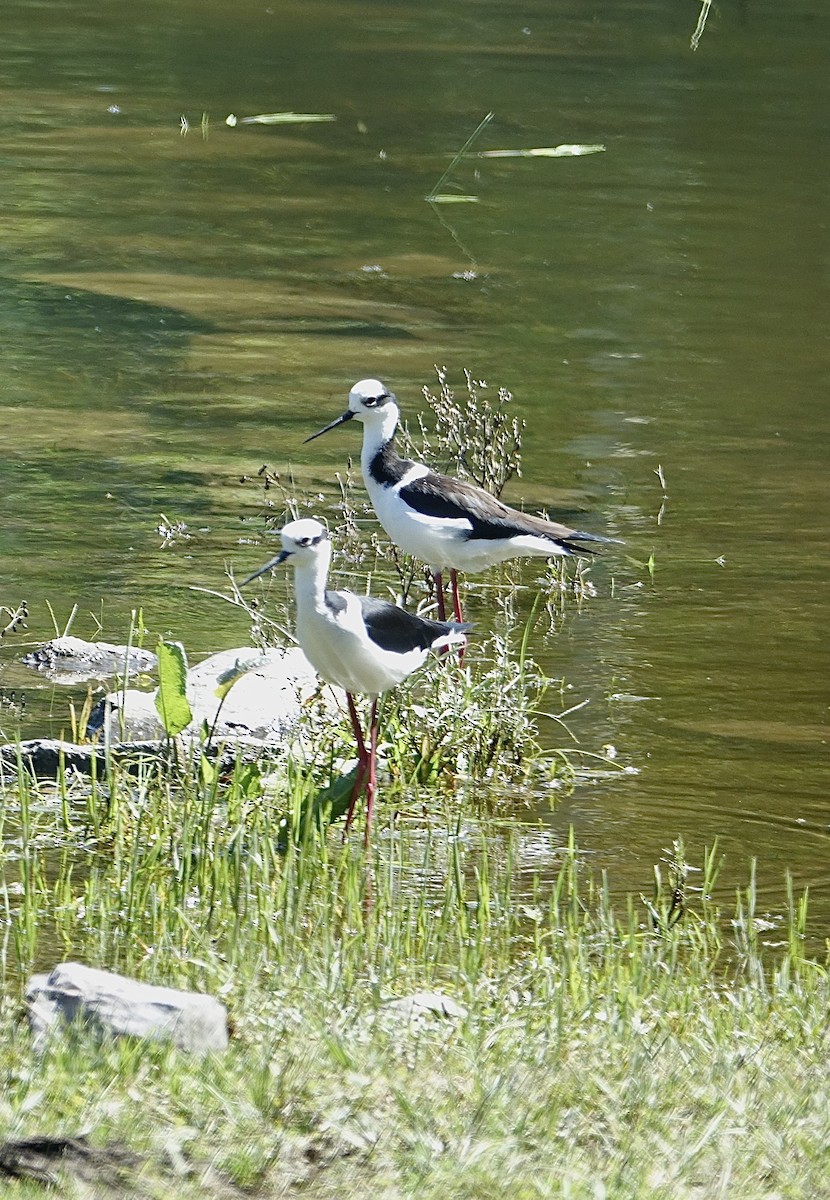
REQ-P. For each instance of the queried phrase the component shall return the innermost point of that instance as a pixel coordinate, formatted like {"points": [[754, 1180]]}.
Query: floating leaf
{"points": [[280, 118], [171, 697], [451, 198], [564, 151]]}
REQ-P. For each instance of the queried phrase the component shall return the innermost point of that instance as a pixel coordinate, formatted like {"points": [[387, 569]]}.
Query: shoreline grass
{"points": [[601, 1047]]}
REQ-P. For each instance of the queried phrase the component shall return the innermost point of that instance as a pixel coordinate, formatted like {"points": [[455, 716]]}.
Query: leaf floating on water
{"points": [[566, 150], [280, 118], [451, 198]]}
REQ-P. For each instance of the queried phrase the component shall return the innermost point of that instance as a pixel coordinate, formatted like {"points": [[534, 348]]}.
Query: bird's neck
{"points": [[310, 580], [379, 452], [380, 432]]}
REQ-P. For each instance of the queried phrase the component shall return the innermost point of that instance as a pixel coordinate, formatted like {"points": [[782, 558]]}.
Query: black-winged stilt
{"points": [[357, 642], [445, 522]]}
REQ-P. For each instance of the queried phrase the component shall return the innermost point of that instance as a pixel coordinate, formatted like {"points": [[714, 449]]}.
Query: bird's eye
{"points": [[374, 401]]}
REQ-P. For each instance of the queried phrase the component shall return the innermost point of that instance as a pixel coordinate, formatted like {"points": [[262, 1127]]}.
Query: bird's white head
{"points": [[369, 397], [371, 403], [305, 541], [305, 536]]}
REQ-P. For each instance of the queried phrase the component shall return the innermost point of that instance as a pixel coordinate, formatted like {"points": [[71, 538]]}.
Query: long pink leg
{"points": [[439, 595], [456, 606], [371, 783], [363, 764], [456, 599]]}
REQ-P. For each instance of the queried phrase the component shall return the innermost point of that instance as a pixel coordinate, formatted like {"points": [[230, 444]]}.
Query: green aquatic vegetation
{"points": [[171, 701]]}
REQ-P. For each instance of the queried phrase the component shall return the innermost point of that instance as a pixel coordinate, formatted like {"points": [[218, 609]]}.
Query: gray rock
{"points": [[70, 660], [126, 716], [49, 1158], [422, 1005], [264, 702], [259, 712], [43, 756], [117, 1006]]}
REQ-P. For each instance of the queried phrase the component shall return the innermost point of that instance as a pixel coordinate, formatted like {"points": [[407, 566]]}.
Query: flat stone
{"points": [[117, 1006], [258, 712], [43, 757], [422, 1005], [264, 702], [69, 660]]}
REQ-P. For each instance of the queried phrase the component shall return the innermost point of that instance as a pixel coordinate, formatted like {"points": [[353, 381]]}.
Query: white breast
{"points": [[341, 651], [434, 541]]}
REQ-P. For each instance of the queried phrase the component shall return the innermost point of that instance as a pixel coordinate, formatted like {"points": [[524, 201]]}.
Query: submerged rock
{"points": [[71, 660]]}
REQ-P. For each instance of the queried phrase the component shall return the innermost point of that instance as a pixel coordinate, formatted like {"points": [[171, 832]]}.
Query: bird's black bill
{"points": [[346, 416], [273, 562]]}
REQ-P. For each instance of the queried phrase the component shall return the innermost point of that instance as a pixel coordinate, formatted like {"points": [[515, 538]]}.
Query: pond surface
{"points": [[184, 301]]}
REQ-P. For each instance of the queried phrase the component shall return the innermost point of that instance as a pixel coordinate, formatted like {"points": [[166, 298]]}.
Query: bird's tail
{"points": [[572, 542], [450, 633], [579, 536], [569, 539]]}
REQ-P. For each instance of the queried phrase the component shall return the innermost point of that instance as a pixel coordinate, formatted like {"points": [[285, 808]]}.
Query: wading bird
{"points": [[446, 522], [361, 644]]}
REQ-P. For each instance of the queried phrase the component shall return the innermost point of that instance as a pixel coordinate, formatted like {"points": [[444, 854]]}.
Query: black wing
{"points": [[395, 629], [442, 496]]}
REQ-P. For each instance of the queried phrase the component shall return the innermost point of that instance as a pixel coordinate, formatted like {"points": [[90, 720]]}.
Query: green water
{"points": [[180, 308]]}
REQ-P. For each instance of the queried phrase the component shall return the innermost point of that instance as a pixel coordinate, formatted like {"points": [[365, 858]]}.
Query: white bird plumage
{"points": [[362, 644], [446, 522]]}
